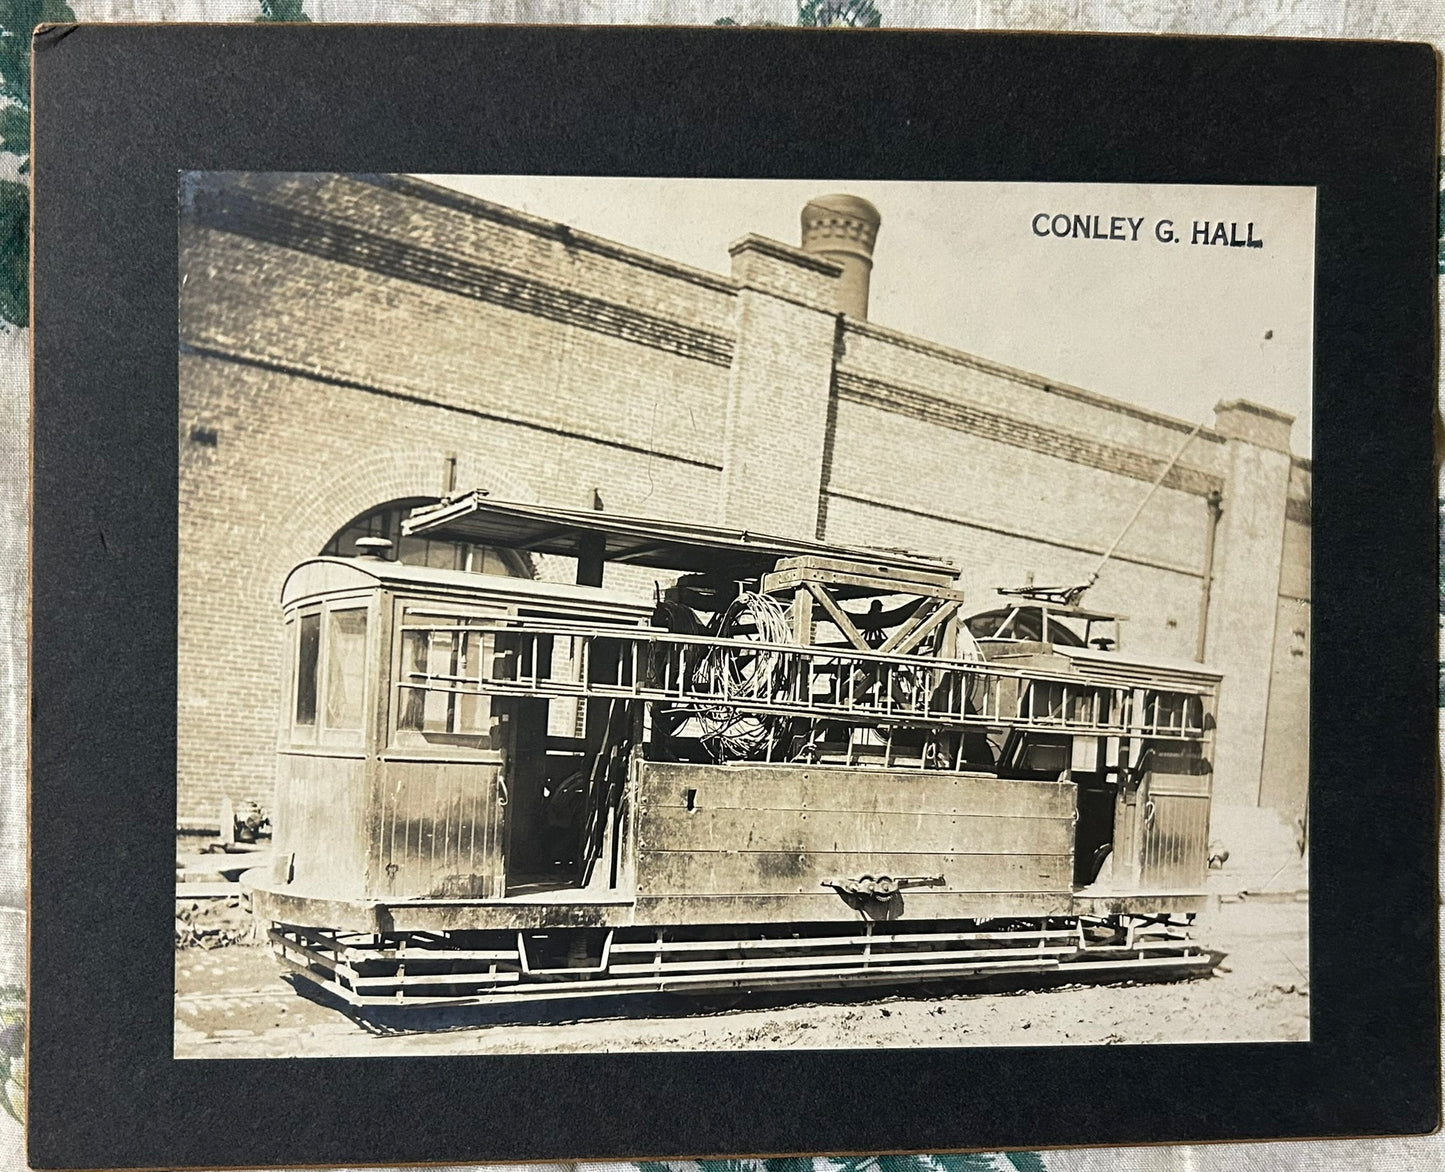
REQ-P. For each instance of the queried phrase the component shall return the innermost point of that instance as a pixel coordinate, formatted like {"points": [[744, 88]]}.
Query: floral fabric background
{"points": [[1422, 20]]}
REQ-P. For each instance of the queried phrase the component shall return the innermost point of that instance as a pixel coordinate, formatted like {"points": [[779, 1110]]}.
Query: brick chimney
{"points": [[843, 229]]}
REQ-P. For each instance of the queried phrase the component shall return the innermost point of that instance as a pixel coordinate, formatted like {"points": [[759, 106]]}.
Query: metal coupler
{"points": [[881, 887]]}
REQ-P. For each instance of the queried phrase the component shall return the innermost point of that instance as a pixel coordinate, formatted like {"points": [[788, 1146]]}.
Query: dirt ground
{"points": [[233, 1002]]}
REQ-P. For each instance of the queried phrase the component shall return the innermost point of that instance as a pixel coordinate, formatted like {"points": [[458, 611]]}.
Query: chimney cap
{"points": [[846, 205], [844, 228]]}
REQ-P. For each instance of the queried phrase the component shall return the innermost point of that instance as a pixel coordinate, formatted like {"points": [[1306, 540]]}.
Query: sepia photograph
{"points": [[659, 614]]}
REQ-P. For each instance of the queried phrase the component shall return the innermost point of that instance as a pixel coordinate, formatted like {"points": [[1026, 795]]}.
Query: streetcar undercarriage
{"points": [[496, 967]]}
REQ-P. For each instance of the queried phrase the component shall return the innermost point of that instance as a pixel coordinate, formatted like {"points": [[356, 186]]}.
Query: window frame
{"points": [[286, 715], [350, 735], [298, 733], [409, 743], [320, 734]]}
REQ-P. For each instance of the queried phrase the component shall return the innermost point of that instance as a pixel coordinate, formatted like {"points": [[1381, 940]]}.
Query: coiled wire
{"points": [[734, 674]]}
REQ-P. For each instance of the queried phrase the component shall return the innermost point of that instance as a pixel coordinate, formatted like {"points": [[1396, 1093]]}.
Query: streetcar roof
{"points": [[1164, 670], [639, 541], [321, 576]]}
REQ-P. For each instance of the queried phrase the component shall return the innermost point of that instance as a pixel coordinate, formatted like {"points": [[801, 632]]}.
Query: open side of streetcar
{"points": [[798, 767]]}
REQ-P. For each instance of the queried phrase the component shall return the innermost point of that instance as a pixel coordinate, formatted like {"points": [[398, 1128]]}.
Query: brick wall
{"points": [[340, 337], [270, 306], [959, 377], [1284, 778], [292, 462]]}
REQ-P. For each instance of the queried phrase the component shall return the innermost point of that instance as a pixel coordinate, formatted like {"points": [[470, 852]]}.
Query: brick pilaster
{"points": [[779, 387], [1245, 598]]}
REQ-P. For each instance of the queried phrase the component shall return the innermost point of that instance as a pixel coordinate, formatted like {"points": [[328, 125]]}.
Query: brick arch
{"points": [[362, 485], [370, 481], [338, 497], [334, 496], [375, 506]]}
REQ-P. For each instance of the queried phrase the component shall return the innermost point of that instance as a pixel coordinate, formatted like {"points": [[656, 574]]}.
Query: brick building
{"points": [[353, 346]]}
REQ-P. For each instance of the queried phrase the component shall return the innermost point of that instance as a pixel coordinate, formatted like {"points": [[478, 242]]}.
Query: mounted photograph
{"points": [[654, 614]]}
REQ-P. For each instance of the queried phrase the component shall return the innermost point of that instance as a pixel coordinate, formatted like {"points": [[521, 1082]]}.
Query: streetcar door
{"points": [[1161, 835]]}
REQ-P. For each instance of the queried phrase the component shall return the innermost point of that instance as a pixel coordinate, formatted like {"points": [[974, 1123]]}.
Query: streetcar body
{"points": [[793, 768]]}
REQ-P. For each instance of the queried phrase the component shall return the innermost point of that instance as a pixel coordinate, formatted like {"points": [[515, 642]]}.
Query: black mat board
{"points": [[121, 110]]}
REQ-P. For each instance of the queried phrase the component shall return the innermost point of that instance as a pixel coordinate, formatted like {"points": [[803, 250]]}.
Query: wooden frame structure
{"points": [[812, 583]]}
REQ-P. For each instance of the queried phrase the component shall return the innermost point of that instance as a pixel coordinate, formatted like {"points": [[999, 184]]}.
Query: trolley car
{"points": [[796, 766]]}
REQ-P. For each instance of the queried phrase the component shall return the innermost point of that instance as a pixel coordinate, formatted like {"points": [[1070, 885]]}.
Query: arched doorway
{"points": [[385, 521]]}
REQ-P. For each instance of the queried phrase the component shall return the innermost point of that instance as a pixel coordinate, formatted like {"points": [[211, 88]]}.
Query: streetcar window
{"points": [[1087, 706], [308, 659], [345, 667], [1044, 700], [439, 672], [1040, 756], [1176, 712], [424, 656]]}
